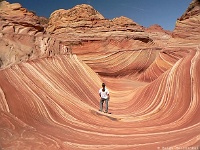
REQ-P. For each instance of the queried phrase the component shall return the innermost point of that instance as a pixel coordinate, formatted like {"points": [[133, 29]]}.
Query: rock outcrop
{"points": [[22, 36], [51, 73], [90, 35], [84, 19], [16, 19], [84, 23], [187, 26]]}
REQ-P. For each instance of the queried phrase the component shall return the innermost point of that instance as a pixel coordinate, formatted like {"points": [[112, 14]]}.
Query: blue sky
{"points": [[143, 12]]}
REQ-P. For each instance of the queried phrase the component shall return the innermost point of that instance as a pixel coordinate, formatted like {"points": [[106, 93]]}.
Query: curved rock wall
{"points": [[50, 76]]}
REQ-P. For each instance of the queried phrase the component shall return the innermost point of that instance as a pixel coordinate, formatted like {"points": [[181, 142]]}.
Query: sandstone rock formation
{"points": [[51, 73], [187, 26], [16, 19], [119, 39], [22, 36]]}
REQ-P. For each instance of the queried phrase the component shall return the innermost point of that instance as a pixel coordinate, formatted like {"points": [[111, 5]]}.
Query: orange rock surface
{"points": [[50, 75]]}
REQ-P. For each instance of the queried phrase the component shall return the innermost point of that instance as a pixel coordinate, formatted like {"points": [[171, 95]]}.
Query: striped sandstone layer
{"points": [[49, 100]]}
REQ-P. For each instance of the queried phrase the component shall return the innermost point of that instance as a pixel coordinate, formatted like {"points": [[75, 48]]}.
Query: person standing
{"points": [[104, 97]]}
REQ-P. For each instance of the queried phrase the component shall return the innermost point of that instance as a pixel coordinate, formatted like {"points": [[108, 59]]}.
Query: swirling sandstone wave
{"points": [[48, 102], [49, 97]]}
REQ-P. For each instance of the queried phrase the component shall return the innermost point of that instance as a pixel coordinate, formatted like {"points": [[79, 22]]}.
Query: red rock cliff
{"points": [[187, 26]]}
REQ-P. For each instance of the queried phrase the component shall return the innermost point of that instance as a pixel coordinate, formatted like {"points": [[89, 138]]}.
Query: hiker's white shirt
{"points": [[104, 94]]}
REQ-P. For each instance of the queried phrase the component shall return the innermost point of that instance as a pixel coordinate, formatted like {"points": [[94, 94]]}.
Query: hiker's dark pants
{"points": [[101, 104]]}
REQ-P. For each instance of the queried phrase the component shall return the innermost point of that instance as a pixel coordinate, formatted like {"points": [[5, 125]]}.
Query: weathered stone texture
{"points": [[50, 75]]}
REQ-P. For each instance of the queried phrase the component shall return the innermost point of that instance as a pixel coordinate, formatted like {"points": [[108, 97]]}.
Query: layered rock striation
{"points": [[51, 73], [22, 36], [187, 26], [16, 19], [83, 20], [99, 42]]}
